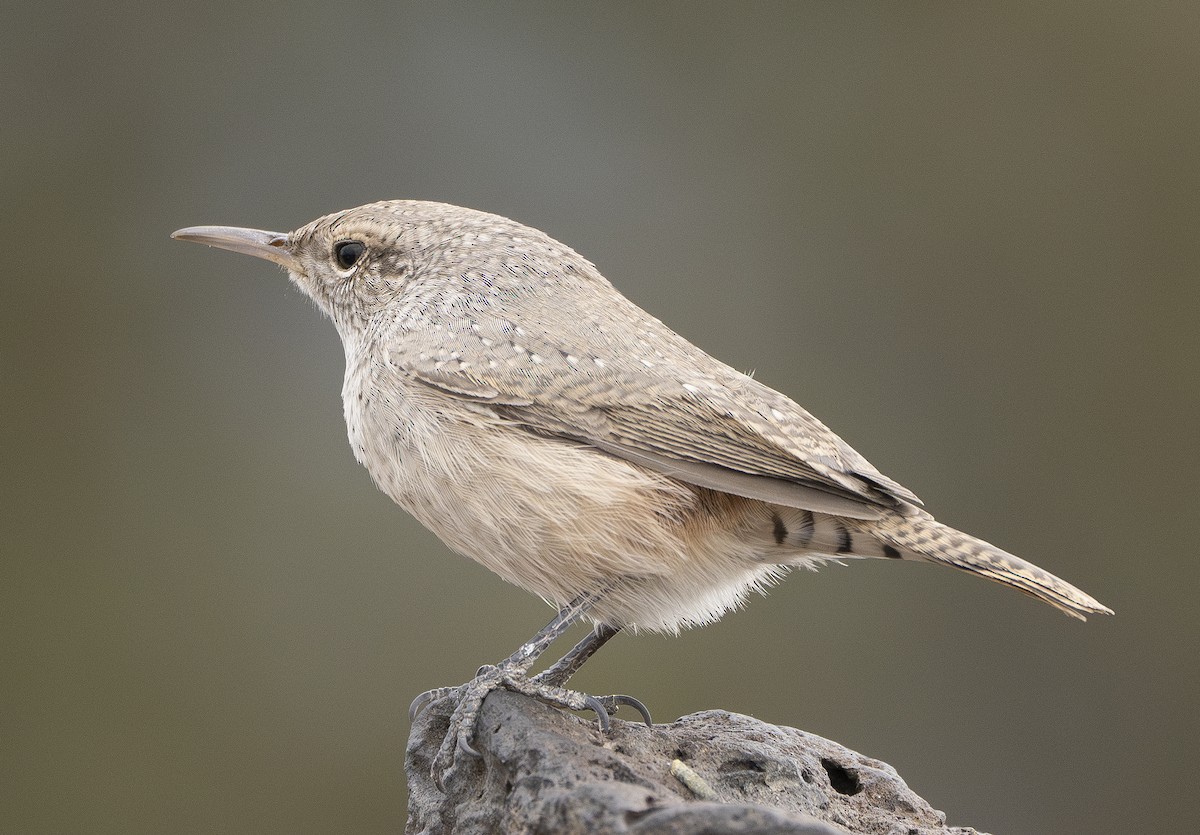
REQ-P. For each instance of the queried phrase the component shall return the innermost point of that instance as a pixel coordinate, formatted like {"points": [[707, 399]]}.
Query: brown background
{"points": [[965, 237]]}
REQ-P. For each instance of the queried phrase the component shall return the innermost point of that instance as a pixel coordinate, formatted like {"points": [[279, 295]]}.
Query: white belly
{"points": [[553, 517]]}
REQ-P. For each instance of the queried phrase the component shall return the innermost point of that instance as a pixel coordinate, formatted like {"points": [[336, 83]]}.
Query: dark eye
{"points": [[347, 253]]}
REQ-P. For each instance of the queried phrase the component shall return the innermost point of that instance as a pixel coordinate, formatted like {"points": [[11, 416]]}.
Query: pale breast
{"points": [[554, 517]]}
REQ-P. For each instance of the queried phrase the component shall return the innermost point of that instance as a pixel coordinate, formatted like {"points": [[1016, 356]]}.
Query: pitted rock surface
{"points": [[544, 771]]}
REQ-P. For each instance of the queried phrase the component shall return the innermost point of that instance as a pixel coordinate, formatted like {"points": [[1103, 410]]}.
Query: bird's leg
{"points": [[510, 674], [521, 660], [558, 673], [531, 650], [565, 667]]}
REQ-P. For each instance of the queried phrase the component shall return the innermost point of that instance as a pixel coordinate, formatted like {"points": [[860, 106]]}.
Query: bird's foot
{"points": [[470, 696], [610, 703]]}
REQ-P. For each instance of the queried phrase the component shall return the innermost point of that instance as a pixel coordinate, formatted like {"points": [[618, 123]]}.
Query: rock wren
{"points": [[500, 390]]}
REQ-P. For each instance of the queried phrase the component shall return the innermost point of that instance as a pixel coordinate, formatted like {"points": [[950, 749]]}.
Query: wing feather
{"points": [[660, 402]]}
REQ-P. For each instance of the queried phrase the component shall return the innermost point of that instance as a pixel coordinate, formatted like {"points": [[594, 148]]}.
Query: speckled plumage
{"points": [[503, 392]]}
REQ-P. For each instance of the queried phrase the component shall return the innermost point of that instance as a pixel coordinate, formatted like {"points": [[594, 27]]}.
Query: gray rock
{"points": [[545, 771]]}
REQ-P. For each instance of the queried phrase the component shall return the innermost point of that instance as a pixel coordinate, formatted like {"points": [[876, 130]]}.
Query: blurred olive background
{"points": [[963, 236]]}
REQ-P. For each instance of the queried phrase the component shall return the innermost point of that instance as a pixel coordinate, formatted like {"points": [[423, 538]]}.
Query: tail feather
{"points": [[921, 537], [918, 536]]}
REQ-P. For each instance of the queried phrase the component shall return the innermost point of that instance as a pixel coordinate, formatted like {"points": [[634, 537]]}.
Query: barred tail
{"points": [[921, 537]]}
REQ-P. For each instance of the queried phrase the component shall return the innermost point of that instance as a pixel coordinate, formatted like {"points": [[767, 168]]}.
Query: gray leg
{"points": [[529, 652], [569, 664], [511, 674], [525, 656], [558, 673]]}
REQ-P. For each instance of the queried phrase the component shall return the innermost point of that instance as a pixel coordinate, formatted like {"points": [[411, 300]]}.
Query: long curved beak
{"points": [[269, 245]]}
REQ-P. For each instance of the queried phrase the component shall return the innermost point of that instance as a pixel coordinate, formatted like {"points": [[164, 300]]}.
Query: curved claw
{"points": [[438, 779], [417, 705], [594, 704], [425, 699], [465, 748], [636, 704]]}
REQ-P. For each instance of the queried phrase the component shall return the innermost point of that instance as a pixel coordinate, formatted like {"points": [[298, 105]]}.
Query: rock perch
{"points": [[545, 771]]}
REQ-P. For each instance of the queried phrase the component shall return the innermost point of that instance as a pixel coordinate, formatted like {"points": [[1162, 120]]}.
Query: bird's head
{"points": [[363, 265]]}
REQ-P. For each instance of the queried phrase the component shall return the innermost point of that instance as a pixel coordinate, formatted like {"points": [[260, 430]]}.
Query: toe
{"points": [[594, 704], [426, 699], [636, 704]]}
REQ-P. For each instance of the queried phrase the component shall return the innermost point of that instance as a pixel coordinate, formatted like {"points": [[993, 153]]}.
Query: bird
{"points": [[509, 397]]}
